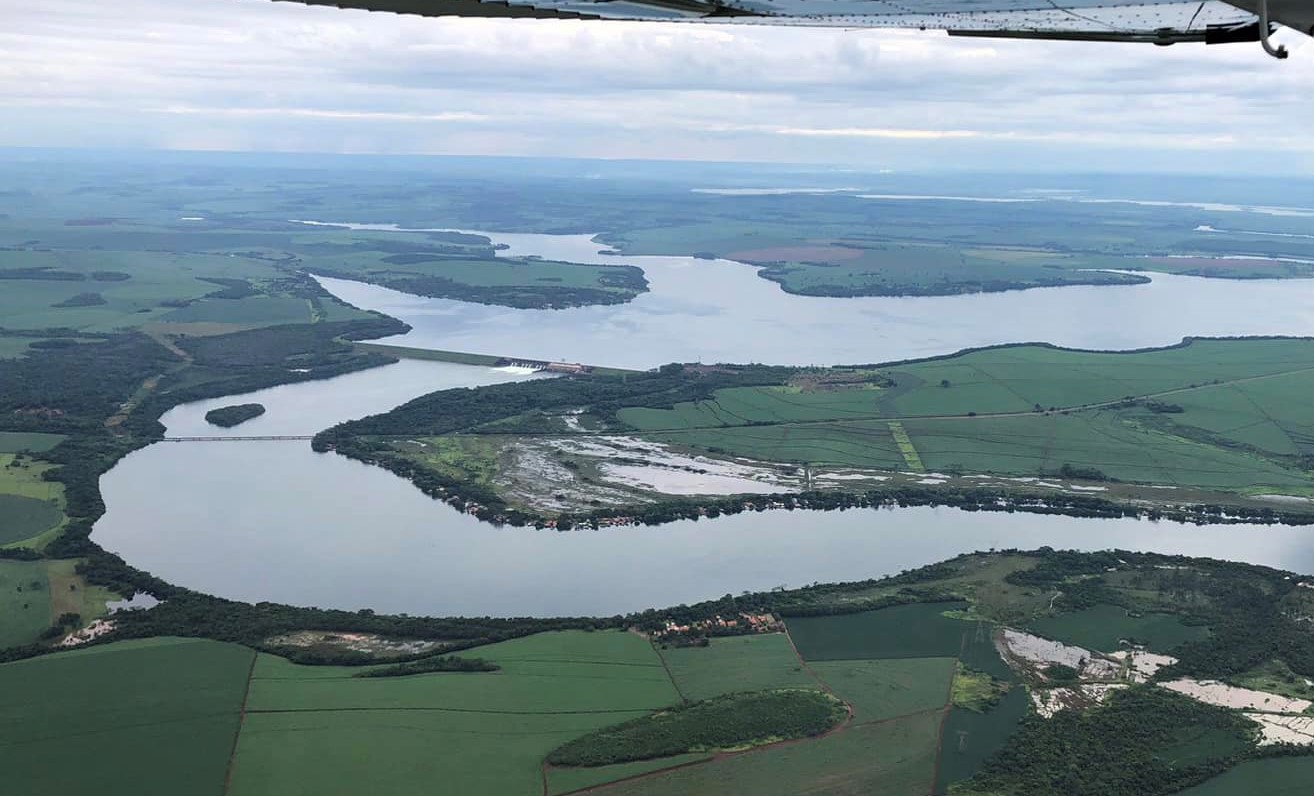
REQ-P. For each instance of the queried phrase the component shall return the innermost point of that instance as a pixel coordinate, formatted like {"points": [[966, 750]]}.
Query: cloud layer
{"points": [[256, 75]]}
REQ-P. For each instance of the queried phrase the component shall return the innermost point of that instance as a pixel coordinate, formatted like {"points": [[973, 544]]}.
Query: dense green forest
{"points": [[236, 415]]}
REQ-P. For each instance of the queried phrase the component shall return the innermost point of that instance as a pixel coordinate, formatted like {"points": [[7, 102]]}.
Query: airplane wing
{"points": [[1152, 21]]}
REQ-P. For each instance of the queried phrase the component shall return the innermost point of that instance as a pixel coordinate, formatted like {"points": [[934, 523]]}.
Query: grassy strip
{"points": [[458, 357], [432, 354], [726, 722]]}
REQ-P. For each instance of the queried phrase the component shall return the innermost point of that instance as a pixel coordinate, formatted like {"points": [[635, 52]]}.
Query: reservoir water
{"points": [[722, 311], [276, 521]]}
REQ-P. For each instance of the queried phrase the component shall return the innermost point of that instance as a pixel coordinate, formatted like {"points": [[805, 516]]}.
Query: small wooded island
{"points": [[236, 415]]}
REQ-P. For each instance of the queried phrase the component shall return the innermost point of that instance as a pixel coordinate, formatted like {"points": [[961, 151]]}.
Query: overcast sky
{"points": [[257, 75]]}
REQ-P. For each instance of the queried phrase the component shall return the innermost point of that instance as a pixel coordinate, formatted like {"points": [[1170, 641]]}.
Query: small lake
{"points": [[276, 521], [721, 311]]}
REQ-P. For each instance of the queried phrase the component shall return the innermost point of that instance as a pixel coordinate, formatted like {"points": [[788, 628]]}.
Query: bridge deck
{"points": [[237, 439]]}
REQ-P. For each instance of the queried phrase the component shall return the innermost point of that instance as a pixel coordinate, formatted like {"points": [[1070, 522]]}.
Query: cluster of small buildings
{"points": [[720, 626]]}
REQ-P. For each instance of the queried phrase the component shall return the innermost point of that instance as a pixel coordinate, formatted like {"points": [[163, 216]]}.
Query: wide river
{"points": [[276, 521]]}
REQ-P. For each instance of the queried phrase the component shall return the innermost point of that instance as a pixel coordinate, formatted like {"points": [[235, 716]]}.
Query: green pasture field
{"points": [[1243, 433], [156, 277], [838, 444], [1260, 413], [895, 758], [738, 406], [736, 663], [906, 631], [1279, 776], [22, 518], [1015, 378], [254, 311], [1101, 440], [156, 717], [561, 781], [471, 459], [1101, 627], [317, 729], [29, 505], [968, 738], [25, 442], [885, 689], [34, 593], [24, 601], [1275, 677]]}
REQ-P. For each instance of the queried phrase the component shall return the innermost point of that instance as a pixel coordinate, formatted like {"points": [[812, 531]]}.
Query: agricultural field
{"points": [[138, 717], [1106, 627], [137, 288], [24, 602], [1280, 776], [34, 594], [736, 663], [29, 505], [320, 730], [27, 442], [907, 631], [905, 699], [887, 688]]}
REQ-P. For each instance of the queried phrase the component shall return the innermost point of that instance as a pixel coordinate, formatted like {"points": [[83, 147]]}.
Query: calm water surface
{"points": [[721, 311], [276, 521]]}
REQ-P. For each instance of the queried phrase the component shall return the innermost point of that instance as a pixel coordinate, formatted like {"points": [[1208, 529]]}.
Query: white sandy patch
{"points": [[652, 466], [1049, 701], [192, 218], [930, 481], [682, 482], [848, 477], [1041, 651], [1284, 729], [1078, 488], [1143, 665], [94, 630], [1228, 696]]}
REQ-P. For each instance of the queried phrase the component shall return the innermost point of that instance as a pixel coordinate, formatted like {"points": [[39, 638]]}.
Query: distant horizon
{"points": [[782, 168]]}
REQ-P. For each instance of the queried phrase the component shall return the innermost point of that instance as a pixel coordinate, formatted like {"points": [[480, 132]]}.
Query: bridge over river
{"points": [[236, 439]]}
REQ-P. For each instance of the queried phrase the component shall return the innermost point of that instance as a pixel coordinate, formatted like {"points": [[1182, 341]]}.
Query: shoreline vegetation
{"points": [[1198, 471]]}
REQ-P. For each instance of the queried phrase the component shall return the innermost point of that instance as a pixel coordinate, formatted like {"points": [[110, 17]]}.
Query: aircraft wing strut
{"points": [[1159, 22]]}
